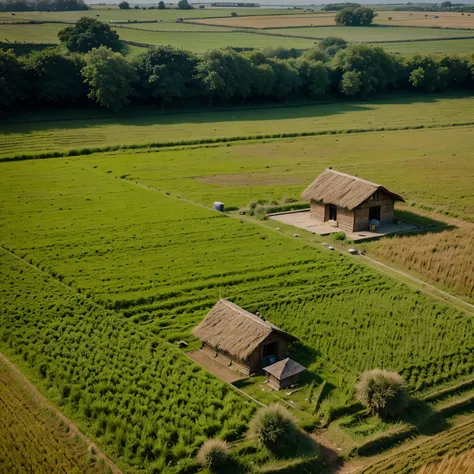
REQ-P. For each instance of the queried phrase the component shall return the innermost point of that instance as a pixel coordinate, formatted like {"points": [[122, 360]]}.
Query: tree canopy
{"points": [[165, 72], [109, 77], [184, 5], [361, 16], [54, 77], [124, 5], [11, 78], [88, 33]]}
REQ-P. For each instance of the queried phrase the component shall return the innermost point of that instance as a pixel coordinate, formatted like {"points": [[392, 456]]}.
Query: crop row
{"points": [[136, 394], [453, 441]]}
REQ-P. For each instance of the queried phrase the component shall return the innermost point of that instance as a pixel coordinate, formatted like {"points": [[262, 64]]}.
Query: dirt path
{"points": [[40, 399]]}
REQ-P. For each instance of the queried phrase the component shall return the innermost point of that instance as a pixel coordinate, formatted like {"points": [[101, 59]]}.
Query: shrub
{"points": [[274, 427], [382, 392], [339, 236], [213, 454]]}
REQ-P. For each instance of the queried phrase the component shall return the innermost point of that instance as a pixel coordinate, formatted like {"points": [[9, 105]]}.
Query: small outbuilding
{"points": [[350, 203], [236, 337], [283, 374]]}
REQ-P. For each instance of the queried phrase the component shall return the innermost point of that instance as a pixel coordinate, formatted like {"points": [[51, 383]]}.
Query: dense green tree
{"points": [[364, 16], [225, 74], [280, 53], [313, 76], [88, 33], [11, 78], [332, 44], [286, 78], [109, 77], [124, 5], [42, 5], [165, 72], [161, 5], [184, 5], [361, 16], [374, 68], [55, 77], [315, 54]]}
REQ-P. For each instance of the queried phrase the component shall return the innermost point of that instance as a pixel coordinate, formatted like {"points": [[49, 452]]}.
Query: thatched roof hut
{"points": [[284, 373], [349, 202], [241, 336], [343, 190]]}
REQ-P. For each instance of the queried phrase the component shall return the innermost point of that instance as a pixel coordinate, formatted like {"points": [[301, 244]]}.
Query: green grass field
{"points": [[173, 26], [200, 42], [52, 131], [411, 162], [45, 33], [465, 46], [368, 34], [114, 14]]}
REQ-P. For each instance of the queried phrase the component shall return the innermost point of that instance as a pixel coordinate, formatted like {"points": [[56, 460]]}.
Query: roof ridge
{"points": [[354, 177], [247, 314]]}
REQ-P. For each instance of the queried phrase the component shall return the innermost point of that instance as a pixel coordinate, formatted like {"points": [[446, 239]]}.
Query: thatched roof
{"points": [[233, 330], [343, 190], [284, 368]]}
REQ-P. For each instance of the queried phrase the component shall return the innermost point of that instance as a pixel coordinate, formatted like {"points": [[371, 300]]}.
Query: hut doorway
{"points": [[270, 353], [332, 213], [374, 213]]}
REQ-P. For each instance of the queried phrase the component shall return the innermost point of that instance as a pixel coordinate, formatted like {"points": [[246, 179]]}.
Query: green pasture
{"points": [[430, 168], [161, 260], [436, 47], [64, 130], [200, 42], [173, 26], [372, 33], [44, 33], [114, 14]]}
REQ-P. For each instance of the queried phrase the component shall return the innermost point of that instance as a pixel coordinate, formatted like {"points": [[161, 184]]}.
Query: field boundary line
{"points": [[210, 141], [41, 399]]}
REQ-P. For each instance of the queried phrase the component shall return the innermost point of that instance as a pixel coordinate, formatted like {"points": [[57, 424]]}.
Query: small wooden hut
{"points": [[234, 336], [350, 203], [283, 374]]}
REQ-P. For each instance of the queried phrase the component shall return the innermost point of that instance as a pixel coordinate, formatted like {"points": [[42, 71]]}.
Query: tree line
{"points": [[86, 68], [41, 5]]}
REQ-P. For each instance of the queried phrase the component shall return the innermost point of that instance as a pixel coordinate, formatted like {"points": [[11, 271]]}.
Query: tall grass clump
{"points": [[382, 392], [274, 427], [213, 455]]}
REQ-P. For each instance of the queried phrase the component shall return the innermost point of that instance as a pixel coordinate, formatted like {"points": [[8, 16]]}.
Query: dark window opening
{"points": [[374, 213], [332, 213], [270, 353]]}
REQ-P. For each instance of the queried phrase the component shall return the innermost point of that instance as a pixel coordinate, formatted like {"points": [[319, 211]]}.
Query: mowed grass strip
{"points": [[49, 133], [370, 33]]}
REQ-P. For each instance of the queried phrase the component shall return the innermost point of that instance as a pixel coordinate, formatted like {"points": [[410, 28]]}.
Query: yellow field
{"points": [[419, 19], [444, 257], [444, 20], [280, 21], [461, 464]]}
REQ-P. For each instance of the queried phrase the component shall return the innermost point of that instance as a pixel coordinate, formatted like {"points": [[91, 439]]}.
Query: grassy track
{"points": [[33, 438], [102, 128], [369, 34]]}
